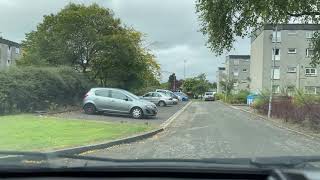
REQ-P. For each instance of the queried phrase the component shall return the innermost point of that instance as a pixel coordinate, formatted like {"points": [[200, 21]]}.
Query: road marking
{"points": [[196, 128], [165, 124]]}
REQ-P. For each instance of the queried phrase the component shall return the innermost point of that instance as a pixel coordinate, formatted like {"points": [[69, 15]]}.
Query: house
{"points": [[238, 70], [292, 57], [9, 52]]}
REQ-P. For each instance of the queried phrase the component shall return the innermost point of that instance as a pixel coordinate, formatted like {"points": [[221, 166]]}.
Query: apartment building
{"points": [[220, 76], [292, 59], [9, 53], [238, 69]]}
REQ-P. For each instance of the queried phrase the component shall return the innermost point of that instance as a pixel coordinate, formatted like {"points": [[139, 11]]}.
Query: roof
{"points": [[307, 27], [9, 43], [239, 56]]}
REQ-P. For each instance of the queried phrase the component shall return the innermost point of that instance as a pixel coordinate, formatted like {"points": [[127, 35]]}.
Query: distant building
{"points": [[221, 74], [238, 69], [9, 53], [292, 59]]}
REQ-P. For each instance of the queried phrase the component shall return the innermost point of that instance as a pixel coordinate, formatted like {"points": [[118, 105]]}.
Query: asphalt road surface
{"points": [[212, 129], [163, 114]]}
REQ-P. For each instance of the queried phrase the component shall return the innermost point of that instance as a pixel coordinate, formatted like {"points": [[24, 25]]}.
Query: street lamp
{"points": [[272, 67]]}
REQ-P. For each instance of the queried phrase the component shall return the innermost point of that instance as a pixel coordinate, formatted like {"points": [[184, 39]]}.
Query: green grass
{"points": [[29, 132]]}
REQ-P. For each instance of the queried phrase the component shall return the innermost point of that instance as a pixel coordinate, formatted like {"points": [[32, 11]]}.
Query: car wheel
{"points": [[162, 103], [137, 113], [89, 108]]}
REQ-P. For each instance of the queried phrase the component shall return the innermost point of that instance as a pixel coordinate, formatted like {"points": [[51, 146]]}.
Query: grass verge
{"points": [[28, 132]]}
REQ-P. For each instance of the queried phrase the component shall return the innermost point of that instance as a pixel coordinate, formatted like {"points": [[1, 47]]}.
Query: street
{"points": [[212, 129]]}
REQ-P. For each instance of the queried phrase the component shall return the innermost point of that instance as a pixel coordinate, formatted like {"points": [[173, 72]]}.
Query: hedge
{"points": [[28, 89]]}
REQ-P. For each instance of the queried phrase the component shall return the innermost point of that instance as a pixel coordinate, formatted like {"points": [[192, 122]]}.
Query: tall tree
{"points": [[223, 20], [93, 41], [74, 36]]}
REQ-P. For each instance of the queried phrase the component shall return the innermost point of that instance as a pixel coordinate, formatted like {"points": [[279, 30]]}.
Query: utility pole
{"points": [[272, 68], [184, 69]]}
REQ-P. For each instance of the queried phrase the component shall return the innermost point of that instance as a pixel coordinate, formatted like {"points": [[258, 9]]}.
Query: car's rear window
{"points": [[209, 93]]}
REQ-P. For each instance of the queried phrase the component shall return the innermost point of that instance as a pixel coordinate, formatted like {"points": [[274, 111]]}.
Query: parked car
{"points": [[158, 98], [209, 96], [181, 96], [117, 101], [170, 94]]}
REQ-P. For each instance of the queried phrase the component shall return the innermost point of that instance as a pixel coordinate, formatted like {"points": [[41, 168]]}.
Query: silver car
{"points": [[158, 98], [117, 101]]}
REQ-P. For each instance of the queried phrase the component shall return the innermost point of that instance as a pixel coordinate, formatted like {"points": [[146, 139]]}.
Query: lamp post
{"points": [[272, 68]]}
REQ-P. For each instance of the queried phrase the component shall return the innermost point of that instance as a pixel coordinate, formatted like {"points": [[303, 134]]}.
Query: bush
{"points": [[219, 96], [240, 98], [297, 109], [28, 89]]}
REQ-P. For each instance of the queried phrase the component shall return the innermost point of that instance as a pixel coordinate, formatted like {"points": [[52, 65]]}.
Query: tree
{"points": [[196, 85], [92, 41], [172, 81], [227, 84], [74, 36], [223, 20], [213, 85]]}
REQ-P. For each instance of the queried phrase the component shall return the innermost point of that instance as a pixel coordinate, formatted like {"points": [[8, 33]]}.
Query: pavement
{"points": [[215, 130], [164, 113]]}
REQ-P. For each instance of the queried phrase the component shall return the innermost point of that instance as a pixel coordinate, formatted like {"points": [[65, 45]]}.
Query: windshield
{"points": [[133, 96], [236, 79]]}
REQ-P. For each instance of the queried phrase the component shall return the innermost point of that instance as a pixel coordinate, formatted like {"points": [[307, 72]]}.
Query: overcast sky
{"points": [[171, 27]]}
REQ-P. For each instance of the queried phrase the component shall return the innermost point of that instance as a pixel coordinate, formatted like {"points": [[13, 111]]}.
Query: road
{"points": [[212, 129], [163, 114]]}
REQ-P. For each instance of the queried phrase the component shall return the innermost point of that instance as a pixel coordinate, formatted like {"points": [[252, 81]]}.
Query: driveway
{"points": [[163, 114], [212, 129]]}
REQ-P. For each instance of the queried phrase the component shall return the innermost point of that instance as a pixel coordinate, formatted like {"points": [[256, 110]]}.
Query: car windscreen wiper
{"points": [[281, 161], [285, 161], [21, 155]]}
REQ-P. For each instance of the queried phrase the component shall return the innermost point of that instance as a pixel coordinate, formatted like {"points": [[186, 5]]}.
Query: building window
{"points": [[276, 89], [277, 54], [276, 35], [292, 69], [309, 52], [292, 33], [276, 73], [292, 50], [244, 70], [236, 62], [236, 72], [312, 89], [17, 50], [311, 71], [309, 34]]}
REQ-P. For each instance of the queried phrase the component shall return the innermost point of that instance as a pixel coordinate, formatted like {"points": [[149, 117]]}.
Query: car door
{"points": [[155, 98], [102, 99], [120, 102], [148, 97]]}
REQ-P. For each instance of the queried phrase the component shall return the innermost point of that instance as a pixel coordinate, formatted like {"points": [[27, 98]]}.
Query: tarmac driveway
{"points": [[163, 114]]}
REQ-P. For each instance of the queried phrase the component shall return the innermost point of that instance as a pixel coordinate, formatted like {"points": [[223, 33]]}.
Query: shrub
{"points": [[219, 96], [300, 108], [29, 88]]}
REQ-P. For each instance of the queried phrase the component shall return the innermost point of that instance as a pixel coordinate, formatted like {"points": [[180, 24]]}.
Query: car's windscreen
{"points": [[159, 79]]}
